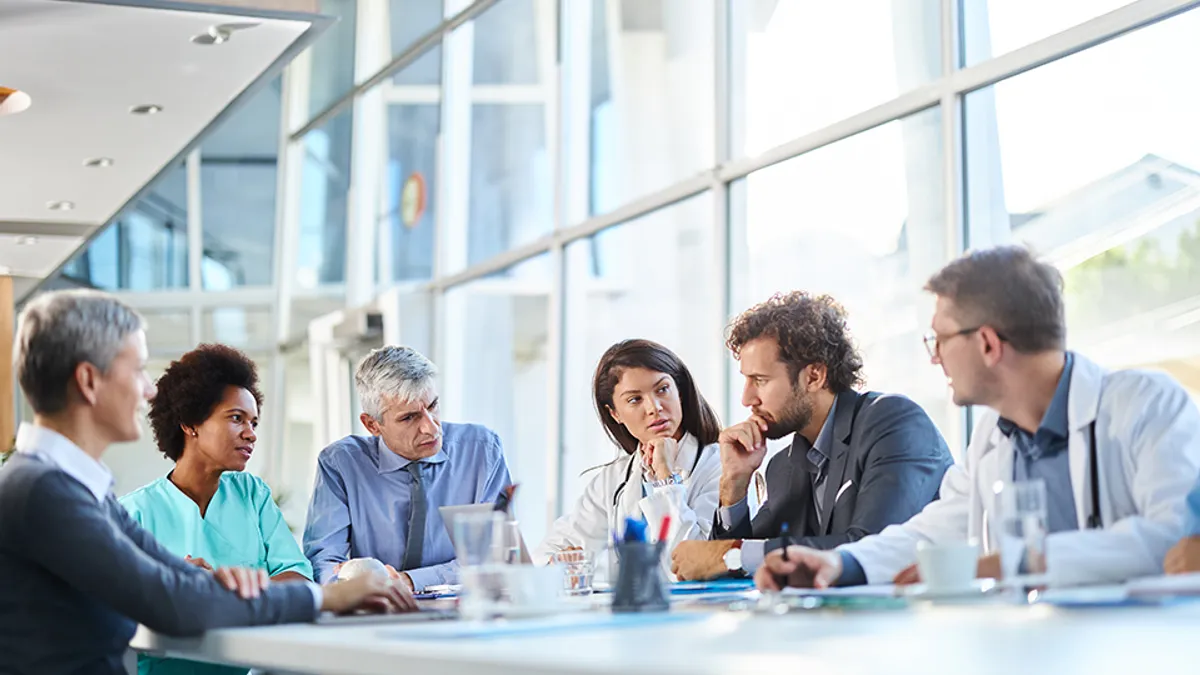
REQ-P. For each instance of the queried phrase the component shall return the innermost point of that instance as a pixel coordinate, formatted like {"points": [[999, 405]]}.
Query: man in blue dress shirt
{"points": [[377, 496]]}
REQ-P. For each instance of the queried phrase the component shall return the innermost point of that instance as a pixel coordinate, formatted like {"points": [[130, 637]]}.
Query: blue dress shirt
{"points": [[360, 505], [1043, 456]]}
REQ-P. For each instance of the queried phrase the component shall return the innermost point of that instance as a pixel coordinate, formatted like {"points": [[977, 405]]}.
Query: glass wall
{"points": [[1096, 162], [494, 358], [146, 247], [649, 278], [651, 92], [548, 177]]}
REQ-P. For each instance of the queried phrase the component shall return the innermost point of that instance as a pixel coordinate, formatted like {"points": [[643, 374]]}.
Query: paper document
{"points": [[1173, 584]]}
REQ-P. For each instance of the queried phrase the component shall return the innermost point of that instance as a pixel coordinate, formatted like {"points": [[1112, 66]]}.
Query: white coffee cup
{"points": [[947, 567]]}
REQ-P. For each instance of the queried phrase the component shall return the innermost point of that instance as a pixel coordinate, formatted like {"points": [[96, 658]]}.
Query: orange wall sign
{"points": [[412, 200]]}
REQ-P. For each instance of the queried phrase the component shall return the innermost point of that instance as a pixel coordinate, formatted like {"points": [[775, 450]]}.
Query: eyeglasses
{"points": [[933, 341]]}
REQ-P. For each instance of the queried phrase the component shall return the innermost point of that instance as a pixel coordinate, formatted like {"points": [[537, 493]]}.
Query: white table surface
{"points": [[925, 639]]}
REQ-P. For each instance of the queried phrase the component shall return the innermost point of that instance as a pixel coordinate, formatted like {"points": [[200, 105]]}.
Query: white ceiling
{"points": [[86, 63]]}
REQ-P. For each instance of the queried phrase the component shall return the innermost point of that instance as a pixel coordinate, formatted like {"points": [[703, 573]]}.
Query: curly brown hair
{"points": [[809, 329], [192, 387]]}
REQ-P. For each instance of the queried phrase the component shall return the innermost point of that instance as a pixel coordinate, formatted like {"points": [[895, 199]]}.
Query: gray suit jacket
{"points": [[78, 576], [887, 464]]}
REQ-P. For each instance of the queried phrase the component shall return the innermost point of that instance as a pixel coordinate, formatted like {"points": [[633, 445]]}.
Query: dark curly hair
{"points": [[192, 387], [809, 329]]}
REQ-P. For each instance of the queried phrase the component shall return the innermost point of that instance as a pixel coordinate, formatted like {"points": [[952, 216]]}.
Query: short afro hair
{"points": [[809, 329], [192, 387]]}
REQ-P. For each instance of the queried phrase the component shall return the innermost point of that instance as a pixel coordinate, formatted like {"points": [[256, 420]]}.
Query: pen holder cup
{"points": [[641, 585]]}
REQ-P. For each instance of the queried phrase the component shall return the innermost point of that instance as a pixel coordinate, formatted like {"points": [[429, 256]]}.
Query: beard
{"points": [[793, 418]]}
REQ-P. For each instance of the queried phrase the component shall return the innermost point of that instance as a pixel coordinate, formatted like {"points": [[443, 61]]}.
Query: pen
{"points": [[505, 498], [664, 528], [781, 579]]}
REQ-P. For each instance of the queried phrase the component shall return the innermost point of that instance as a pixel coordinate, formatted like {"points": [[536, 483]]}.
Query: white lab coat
{"points": [[1148, 449], [691, 504]]}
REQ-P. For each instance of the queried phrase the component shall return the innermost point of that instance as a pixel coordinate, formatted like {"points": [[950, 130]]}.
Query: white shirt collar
{"points": [[73, 461]]}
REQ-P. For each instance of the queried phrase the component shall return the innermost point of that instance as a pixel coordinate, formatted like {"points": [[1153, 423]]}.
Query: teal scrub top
{"points": [[242, 528]]}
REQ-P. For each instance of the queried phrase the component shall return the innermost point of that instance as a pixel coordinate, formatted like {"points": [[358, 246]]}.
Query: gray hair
{"points": [[58, 331], [399, 372]]}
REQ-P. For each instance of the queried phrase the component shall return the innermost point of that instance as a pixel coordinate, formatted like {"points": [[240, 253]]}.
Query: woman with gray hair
{"points": [[410, 464], [81, 361]]}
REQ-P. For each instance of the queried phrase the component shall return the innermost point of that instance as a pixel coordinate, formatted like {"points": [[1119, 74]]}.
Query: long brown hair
{"points": [[698, 420]]}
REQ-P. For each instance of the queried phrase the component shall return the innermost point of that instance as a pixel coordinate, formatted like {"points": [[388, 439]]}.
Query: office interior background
{"points": [[510, 186]]}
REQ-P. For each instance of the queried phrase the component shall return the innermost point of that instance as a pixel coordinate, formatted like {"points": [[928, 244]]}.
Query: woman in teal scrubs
{"points": [[208, 509]]}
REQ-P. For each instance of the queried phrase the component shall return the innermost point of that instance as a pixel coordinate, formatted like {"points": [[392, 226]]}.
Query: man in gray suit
{"points": [[79, 574], [858, 462]]}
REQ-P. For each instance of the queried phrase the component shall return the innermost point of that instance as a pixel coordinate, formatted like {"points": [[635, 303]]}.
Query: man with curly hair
{"points": [[858, 461]]}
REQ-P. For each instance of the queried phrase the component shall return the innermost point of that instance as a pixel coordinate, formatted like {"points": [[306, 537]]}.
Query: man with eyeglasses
{"points": [[1116, 450]]}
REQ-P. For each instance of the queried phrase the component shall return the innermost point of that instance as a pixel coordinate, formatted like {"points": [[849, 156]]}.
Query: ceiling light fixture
{"points": [[13, 101], [99, 162], [148, 109], [60, 206], [220, 34], [26, 240]]}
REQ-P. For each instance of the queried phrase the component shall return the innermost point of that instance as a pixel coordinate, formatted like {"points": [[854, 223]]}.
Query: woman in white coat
{"points": [[651, 409]]}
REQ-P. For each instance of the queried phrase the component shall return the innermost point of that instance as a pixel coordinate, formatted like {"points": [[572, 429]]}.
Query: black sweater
{"points": [[77, 576]]}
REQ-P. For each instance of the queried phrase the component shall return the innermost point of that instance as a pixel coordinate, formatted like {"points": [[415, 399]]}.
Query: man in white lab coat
{"points": [[999, 335]]}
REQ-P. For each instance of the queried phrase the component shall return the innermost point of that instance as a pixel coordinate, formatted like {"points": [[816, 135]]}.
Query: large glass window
{"points": [[145, 248], [331, 65], [862, 219], [406, 224], [651, 98], [408, 21], [649, 278], [324, 191], [237, 192], [1094, 161], [499, 158], [495, 371], [995, 27], [799, 65]]}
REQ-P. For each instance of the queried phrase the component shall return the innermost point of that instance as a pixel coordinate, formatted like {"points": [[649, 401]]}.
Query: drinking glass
{"points": [[1019, 531], [578, 567]]}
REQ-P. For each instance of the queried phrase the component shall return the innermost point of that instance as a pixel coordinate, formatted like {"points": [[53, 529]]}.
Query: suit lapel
{"points": [[843, 425]]}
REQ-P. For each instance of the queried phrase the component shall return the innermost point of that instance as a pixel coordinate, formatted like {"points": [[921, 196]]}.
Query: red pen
{"points": [[664, 528]]}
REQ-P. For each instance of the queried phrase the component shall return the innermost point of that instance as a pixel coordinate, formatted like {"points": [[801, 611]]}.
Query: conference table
{"points": [[997, 636]]}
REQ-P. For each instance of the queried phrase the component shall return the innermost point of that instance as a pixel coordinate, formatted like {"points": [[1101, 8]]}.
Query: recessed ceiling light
{"points": [[214, 36], [60, 206], [148, 109], [99, 162], [219, 34], [26, 240], [13, 101]]}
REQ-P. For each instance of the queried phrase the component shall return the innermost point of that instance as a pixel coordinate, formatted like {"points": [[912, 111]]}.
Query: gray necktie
{"points": [[415, 541]]}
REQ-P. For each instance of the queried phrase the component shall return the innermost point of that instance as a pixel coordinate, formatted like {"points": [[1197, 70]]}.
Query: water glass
{"points": [[510, 548], [479, 548], [578, 567], [1018, 531]]}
